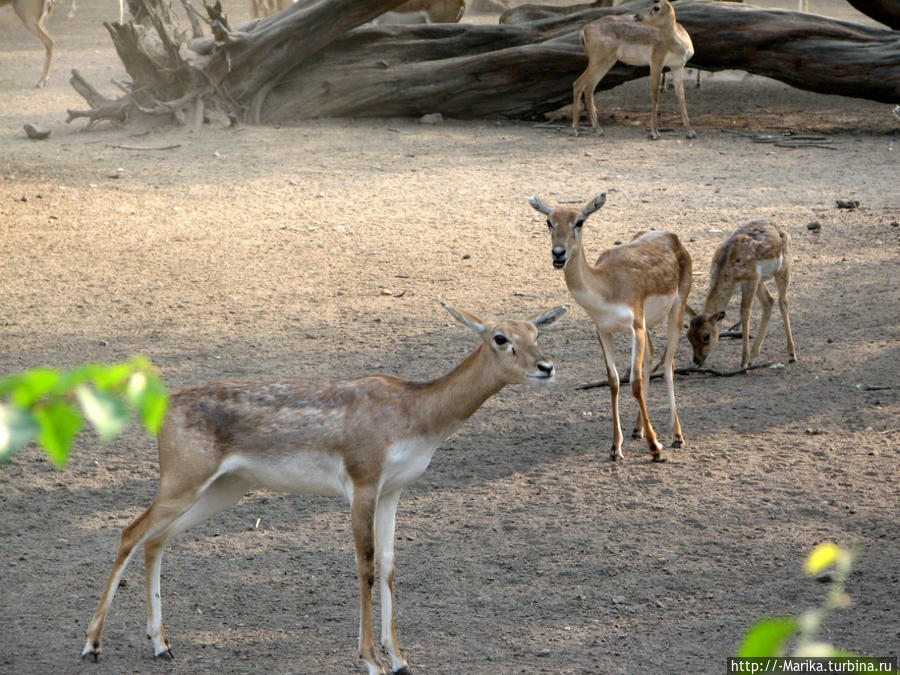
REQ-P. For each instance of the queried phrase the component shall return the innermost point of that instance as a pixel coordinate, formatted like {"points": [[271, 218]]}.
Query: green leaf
{"points": [[151, 402], [33, 385], [17, 427], [767, 637], [60, 423], [110, 378], [107, 413]]}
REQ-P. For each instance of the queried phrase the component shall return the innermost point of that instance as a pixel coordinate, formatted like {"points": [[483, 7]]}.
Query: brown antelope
{"points": [[33, 14], [363, 439], [424, 11], [755, 253], [630, 288], [650, 37]]}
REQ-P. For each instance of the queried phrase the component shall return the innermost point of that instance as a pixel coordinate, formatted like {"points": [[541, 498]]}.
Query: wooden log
{"points": [[526, 69], [307, 62]]}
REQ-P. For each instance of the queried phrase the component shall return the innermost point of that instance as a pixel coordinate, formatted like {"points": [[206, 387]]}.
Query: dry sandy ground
{"points": [[321, 250]]}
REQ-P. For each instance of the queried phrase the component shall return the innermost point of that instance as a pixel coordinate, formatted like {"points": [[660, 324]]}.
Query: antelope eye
{"points": [[706, 339], [500, 340], [550, 223], [579, 223]]}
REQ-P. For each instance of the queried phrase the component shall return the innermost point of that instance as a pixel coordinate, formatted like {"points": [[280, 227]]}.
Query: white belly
{"points": [[609, 317], [320, 473], [656, 307], [407, 460], [634, 55], [767, 268]]}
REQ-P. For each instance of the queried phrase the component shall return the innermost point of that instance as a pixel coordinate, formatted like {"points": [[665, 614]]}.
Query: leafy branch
{"points": [[49, 406]]}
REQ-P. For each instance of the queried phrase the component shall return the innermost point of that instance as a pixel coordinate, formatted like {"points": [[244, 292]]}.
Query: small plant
{"points": [[768, 638], [49, 406]]}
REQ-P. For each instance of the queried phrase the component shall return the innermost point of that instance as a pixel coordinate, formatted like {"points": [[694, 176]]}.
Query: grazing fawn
{"points": [[33, 14], [630, 288], [651, 37], [364, 439], [755, 253]]}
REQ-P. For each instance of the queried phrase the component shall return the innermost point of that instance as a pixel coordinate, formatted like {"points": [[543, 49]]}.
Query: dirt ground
{"points": [[321, 250]]}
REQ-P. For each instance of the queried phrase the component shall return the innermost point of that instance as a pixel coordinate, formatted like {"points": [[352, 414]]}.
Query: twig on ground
{"points": [[133, 147], [681, 371]]}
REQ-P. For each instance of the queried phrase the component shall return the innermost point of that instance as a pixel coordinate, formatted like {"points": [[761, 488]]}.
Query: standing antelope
{"points": [[651, 37], [33, 14], [364, 439], [755, 253], [424, 11], [629, 289]]}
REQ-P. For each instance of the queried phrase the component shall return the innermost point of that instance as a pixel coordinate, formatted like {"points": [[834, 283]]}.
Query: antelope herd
{"points": [[365, 439]]}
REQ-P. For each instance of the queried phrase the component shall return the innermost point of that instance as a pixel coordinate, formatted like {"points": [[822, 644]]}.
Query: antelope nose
{"points": [[558, 252], [545, 367]]}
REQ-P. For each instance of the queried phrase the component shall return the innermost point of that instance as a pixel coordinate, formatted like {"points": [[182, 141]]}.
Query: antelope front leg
{"points": [[385, 522], [612, 377], [638, 341], [678, 77], [362, 515], [748, 290]]}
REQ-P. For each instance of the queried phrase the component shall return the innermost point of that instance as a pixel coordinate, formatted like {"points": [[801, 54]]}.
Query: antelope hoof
{"points": [[792, 359], [166, 655], [659, 459], [614, 454], [691, 134], [403, 671], [654, 135], [95, 656], [678, 442], [637, 434]]}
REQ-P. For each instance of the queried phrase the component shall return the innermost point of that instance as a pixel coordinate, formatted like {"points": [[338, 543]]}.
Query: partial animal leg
{"points": [[35, 25], [782, 282], [655, 77], [612, 376], [638, 345], [152, 521], [766, 302], [678, 77], [584, 86], [748, 290], [362, 516], [385, 522], [224, 492]]}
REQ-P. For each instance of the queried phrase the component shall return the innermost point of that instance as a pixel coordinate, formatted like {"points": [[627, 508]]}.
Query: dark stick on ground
{"points": [[691, 370]]}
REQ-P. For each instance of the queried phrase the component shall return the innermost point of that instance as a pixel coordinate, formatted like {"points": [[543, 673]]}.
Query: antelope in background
{"points": [[651, 37], [424, 11], [755, 253], [364, 439], [630, 288], [33, 14]]}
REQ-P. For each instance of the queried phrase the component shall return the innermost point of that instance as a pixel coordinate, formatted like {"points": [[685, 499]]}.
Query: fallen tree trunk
{"points": [[303, 62]]}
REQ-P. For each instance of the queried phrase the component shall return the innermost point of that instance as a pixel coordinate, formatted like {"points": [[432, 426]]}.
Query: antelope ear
{"points": [[548, 318], [593, 205], [538, 205], [689, 311], [467, 319]]}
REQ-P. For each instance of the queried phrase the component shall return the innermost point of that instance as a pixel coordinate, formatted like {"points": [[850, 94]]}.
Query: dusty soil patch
{"points": [[263, 253]]}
